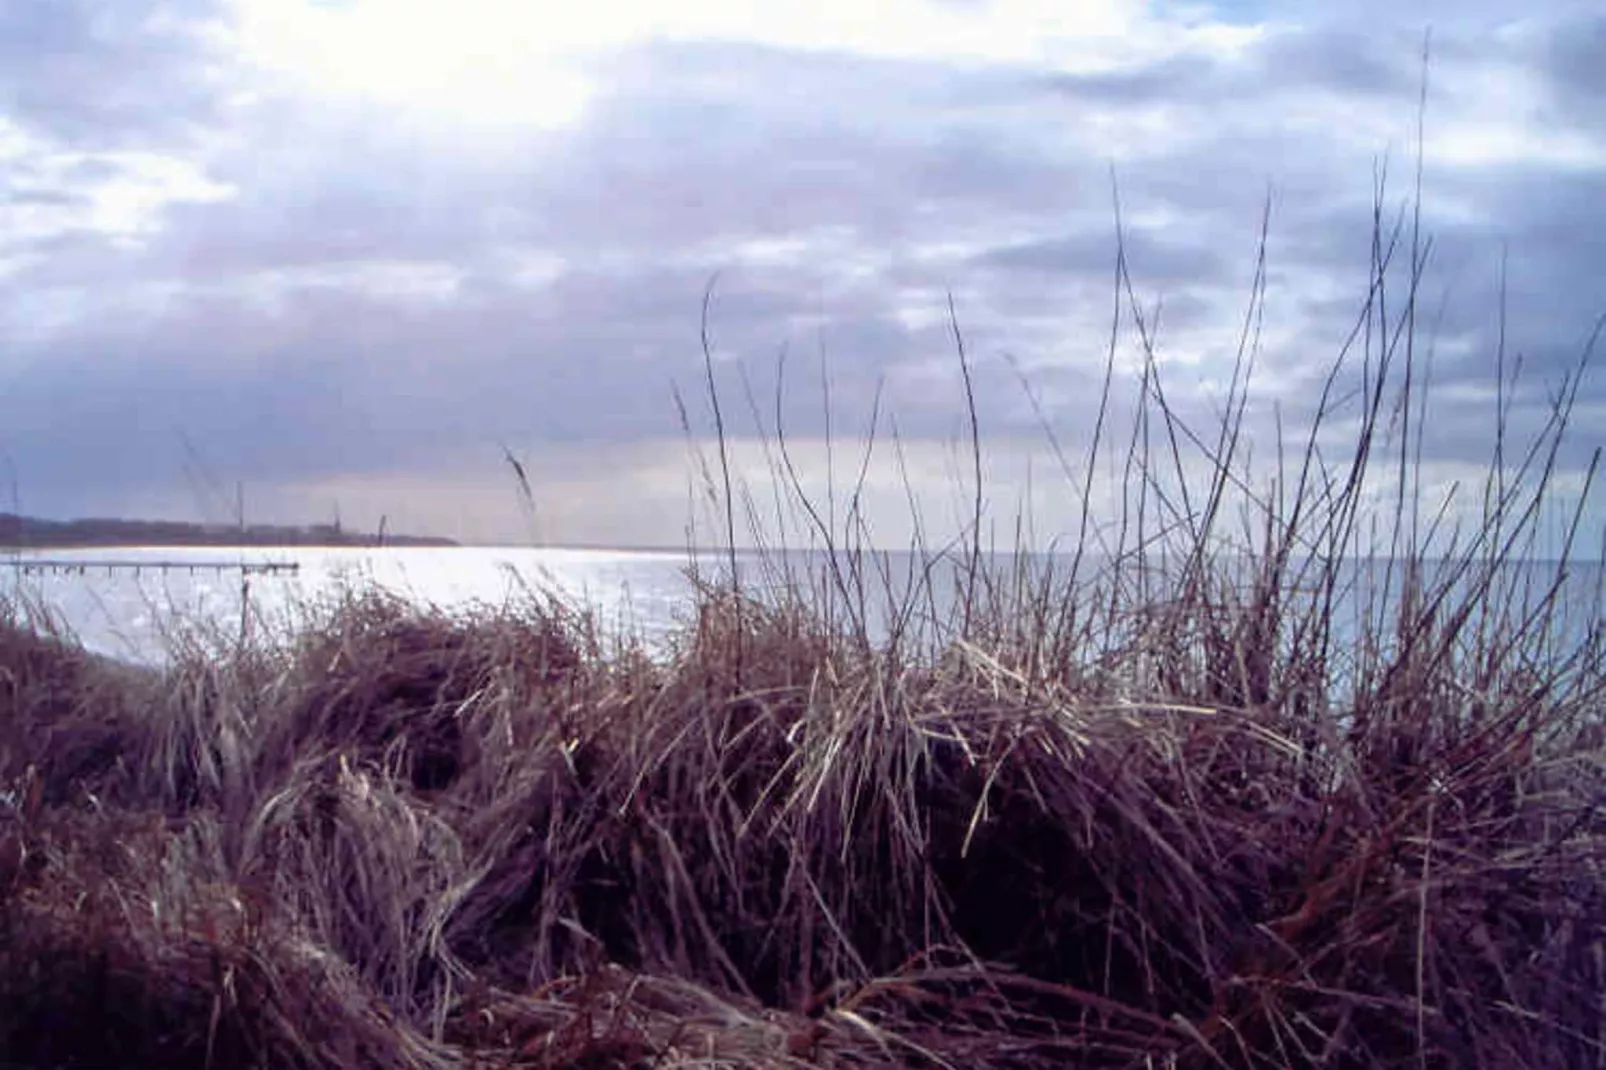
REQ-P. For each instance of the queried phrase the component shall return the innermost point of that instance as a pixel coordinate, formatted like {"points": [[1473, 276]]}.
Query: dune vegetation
{"points": [[1249, 778]]}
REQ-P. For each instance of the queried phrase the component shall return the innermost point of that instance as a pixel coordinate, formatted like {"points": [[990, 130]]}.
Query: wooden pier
{"points": [[53, 566]]}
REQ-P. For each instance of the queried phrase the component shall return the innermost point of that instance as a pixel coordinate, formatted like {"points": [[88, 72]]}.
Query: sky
{"points": [[345, 260]]}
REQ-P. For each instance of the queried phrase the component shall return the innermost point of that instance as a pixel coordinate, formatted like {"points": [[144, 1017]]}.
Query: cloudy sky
{"points": [[344, 254]]}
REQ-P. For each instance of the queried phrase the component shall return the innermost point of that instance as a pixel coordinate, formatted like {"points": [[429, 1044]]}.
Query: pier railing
{"points": [[84, 566]]}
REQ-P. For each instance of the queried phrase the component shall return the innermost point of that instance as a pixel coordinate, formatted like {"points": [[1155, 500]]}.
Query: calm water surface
{"points": [[127, 614]]}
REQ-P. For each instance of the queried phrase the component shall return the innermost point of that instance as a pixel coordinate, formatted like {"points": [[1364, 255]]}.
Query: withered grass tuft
{"points": [[1187, 802]]}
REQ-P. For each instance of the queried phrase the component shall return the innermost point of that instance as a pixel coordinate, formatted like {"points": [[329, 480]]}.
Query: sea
{"points": [[134, 610], [131, 603]]}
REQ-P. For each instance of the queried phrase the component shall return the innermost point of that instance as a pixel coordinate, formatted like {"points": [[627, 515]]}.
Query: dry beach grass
{"points": [[1159, 809]]}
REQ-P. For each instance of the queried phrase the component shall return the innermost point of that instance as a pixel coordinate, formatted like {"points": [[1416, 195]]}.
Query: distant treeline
{"points": [[32, 533]]}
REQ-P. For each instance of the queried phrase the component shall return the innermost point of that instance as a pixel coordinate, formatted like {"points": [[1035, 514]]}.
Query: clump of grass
{"points": [[1196, 798]]}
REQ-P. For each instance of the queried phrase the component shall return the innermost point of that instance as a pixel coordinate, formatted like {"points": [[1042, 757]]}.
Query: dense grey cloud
{"points": [[1574, 66], [93, 73], [318, 290]]}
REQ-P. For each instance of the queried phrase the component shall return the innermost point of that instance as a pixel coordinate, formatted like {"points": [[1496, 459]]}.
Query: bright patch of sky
{"points": [[490, 62]]}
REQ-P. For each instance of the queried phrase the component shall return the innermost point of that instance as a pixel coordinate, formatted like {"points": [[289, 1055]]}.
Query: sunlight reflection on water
{"points": [[127, 613]]}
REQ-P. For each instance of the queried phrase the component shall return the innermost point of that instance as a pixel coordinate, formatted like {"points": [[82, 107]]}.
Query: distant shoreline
{"points": [[32, 533]]}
